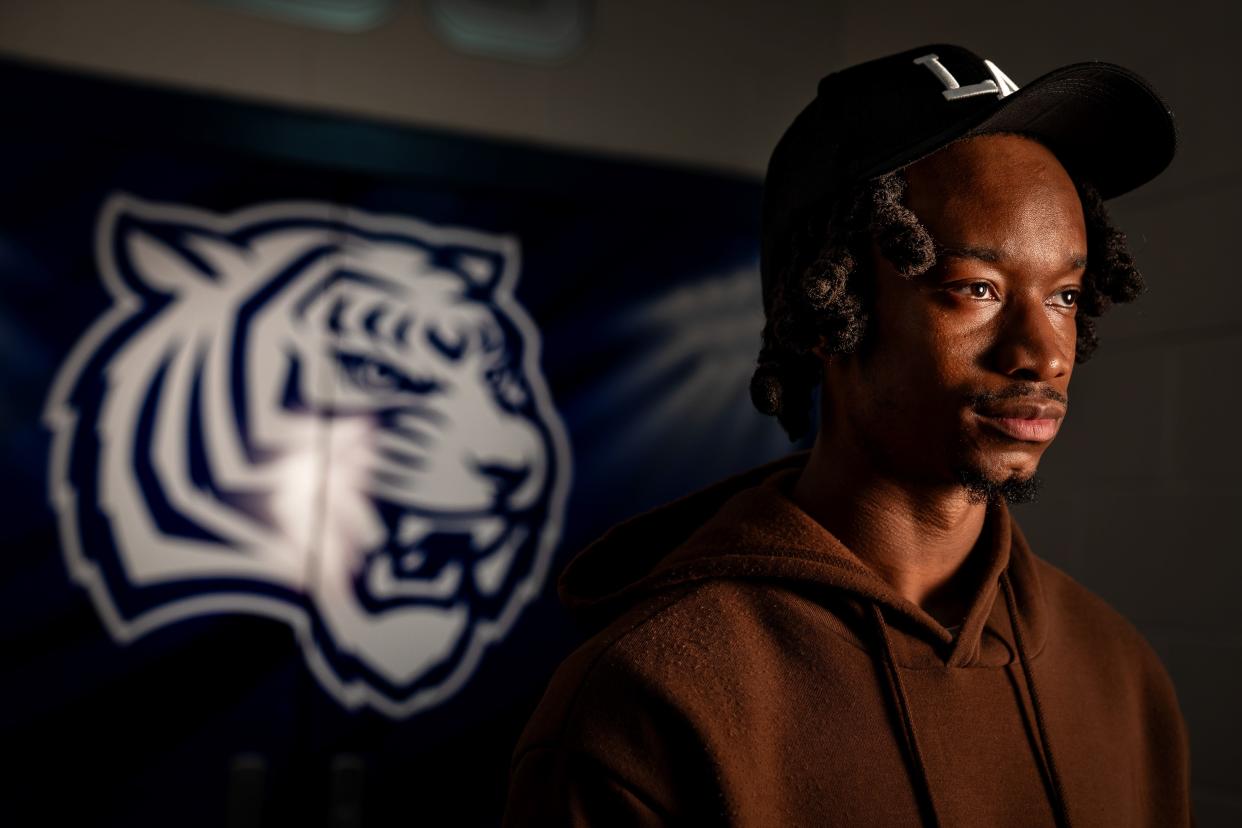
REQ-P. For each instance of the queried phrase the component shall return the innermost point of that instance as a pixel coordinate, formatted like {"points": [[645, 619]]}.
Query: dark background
{"points": [[217, 720], [1140, 485]]}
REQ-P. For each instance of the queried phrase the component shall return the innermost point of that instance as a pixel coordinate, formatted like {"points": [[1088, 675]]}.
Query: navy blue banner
{"points": [[302, 417]]}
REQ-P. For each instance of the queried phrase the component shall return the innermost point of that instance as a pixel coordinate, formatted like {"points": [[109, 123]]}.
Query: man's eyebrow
{"points": [[983, 254], [991, 255]]}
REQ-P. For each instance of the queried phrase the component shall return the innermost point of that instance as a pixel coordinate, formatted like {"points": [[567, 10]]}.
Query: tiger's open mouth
{"points": [[429, 559]]}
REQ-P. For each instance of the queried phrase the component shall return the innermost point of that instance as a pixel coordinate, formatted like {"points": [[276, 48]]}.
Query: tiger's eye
{"points": [[378, 375]]}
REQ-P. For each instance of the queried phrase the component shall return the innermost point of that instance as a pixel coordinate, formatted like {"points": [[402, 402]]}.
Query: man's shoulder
{"points": [[620, 694], [688, 646], [635, 702], [1097, 653], [1070, 599], [697, 626], [1086, 623]]}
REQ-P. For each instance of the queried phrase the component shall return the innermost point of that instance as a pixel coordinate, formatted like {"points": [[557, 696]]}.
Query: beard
{"points": [[984, 489]]}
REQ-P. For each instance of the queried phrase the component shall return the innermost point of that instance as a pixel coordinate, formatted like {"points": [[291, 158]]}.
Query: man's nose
{"points": [[1032, 345]]}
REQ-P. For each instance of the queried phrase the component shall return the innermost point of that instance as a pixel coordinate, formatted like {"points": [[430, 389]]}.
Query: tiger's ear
{"points": [[481, 268], [173, 259]]}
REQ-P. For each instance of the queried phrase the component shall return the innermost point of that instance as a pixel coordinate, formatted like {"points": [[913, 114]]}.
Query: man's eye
{"points": [[975, 290], [1067, 298]]}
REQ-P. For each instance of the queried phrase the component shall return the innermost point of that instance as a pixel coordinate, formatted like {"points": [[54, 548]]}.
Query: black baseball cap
{"points": [[1102, 121]]}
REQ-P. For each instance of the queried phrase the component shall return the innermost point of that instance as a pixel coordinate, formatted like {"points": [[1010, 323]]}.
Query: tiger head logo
{"points": [[315, 414]]}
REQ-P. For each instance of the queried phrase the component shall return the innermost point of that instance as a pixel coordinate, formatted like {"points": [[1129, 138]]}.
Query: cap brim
{"points": [[1104, 122]]}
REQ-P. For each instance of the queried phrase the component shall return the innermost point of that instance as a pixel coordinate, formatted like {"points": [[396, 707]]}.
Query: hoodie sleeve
{"points": [[609, 744], [551, 787]]}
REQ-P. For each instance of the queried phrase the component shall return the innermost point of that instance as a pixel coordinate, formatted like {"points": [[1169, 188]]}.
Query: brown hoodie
{"points": [[752, 671]]}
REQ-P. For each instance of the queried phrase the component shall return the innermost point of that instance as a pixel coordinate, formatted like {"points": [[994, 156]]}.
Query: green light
{"points": [[349, 16]]}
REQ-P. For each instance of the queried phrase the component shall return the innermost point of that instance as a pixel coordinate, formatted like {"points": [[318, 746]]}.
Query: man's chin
{"points": [[984, 488]]}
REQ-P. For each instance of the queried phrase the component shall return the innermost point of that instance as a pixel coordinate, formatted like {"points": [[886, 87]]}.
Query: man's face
{"points": [[964, 375]]}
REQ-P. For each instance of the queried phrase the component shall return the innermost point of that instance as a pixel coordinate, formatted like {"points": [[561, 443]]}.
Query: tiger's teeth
{"points": [[413, 529], [486, 532], [490, 572], [381, 583]]}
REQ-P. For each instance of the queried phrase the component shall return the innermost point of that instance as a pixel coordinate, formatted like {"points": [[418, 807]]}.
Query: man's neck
{"points": [[917, 538]]}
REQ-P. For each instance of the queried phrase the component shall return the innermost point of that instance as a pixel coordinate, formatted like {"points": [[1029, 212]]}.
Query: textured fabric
{"points": [[748, 669]]}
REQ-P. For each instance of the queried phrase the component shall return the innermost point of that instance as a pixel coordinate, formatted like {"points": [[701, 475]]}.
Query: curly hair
{"points": [[822, 291]]}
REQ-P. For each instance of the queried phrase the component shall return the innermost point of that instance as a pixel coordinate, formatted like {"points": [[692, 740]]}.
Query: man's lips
{"points": [[1037, 430], [1034, 421]]}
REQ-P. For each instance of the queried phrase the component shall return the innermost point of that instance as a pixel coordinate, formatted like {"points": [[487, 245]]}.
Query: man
{"points": [[859, 635]]}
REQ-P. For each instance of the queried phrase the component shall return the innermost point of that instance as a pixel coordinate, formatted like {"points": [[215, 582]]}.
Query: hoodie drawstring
{"points": [[1058, 793], [897, 690], [900, 700]]}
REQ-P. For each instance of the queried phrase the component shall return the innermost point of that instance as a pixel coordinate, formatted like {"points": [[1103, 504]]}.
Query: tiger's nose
{"points": [[505, 478]]}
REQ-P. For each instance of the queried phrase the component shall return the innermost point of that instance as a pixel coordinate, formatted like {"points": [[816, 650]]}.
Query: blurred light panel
{"points": [[336, 15], [525, 30]]}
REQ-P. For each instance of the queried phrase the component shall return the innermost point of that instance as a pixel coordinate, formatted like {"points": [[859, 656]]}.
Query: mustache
{"points": [[1021, 390]]}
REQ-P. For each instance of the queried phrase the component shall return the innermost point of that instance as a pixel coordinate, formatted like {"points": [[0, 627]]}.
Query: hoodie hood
{"points": [[747, 527]]}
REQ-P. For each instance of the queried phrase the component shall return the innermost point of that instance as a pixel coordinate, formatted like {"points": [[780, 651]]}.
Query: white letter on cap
{"points": [[1000, 86], [1007, 87]]}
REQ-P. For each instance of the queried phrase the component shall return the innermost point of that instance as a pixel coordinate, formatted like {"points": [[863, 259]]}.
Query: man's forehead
{"points": [[991, 198], [978, 161]]}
